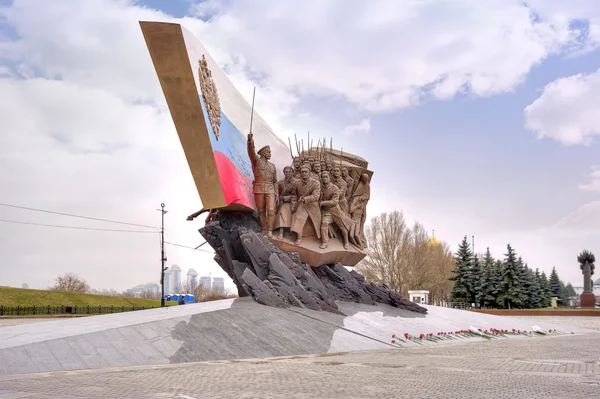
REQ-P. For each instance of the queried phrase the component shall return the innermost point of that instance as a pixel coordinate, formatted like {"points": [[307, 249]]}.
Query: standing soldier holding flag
{"points": [[265, 182]]}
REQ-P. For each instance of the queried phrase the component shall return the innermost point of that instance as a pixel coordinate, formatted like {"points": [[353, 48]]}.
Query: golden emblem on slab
{"points": [[210, 95]]}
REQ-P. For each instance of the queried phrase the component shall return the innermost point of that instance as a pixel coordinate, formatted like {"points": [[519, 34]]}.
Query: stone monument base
{"points": [[587, 300], [274, 277], [311, 254]]}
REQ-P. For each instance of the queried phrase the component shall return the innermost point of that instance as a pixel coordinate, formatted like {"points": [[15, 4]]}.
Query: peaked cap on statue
{"points": [[260, 152]]}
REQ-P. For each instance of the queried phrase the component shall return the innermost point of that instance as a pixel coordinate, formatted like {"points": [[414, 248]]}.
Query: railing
{"points": [[53, 310]]}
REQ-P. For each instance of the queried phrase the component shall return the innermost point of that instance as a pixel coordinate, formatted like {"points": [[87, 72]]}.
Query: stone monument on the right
{"points": [[586, 261]]}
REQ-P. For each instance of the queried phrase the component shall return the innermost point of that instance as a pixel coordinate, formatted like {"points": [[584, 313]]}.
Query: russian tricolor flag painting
{"points": [[211, 117]]}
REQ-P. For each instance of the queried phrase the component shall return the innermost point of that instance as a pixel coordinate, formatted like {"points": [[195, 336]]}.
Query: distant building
{"points": [[24, 285], [191, 279], [176, 270], [168, 282], [137, 291], [218, 284], [205, 281]]}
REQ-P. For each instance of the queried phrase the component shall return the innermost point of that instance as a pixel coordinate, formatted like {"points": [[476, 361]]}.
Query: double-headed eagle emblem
{"points": [[210, 95]]}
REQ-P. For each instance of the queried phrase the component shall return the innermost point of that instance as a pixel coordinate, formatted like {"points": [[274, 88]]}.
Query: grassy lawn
{"points": [[26, 297]]}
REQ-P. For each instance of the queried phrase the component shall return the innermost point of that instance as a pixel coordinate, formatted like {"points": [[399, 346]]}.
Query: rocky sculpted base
{"points": [[277, 278]]}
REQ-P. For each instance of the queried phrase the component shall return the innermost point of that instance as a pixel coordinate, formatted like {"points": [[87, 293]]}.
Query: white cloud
{"points": [[567, 110], [386, 55], [364, 126], [5, 71], [594, 181], [585, 12]]}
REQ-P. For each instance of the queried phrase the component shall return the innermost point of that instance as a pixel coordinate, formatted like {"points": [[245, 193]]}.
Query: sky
{"points": [[479, 118]]}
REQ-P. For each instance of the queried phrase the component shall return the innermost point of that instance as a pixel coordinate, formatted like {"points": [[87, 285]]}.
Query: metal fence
{"points": [[50, 310]]}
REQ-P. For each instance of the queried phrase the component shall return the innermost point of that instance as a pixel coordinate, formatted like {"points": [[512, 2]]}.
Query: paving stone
{"points": [[498, 369]]}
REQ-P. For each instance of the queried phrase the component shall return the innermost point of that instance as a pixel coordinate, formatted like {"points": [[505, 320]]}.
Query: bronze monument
{"points": [[317, 194], [586, 261], [317, 201]]}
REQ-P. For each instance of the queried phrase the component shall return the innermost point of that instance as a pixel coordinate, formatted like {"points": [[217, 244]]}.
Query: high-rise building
{"points": [[205, 281], [218, 284], [191, 279], [176, 270], [168, 282]]}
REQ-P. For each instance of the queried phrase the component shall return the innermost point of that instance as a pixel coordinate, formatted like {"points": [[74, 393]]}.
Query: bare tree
{"points": [[402, 258], [203, 294], [70, 282], [149, 294]]}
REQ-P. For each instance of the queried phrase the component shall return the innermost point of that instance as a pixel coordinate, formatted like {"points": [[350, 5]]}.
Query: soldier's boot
{"points": [[345, 237], [270, 222], [352, 236], [324, 236], [298, 239], [262, 220]]}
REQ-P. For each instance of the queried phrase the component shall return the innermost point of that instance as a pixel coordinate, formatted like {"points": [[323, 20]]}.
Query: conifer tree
{"points": [[545, 291], [555, 289], [536, 291], [563, 293], [496, 279], [462, 289], [523, 282], [570, 291], [510, 288], [475, 276], [484, 290]]}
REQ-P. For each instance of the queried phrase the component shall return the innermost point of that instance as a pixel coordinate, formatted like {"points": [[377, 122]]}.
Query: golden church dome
{"points": [[433, 242]]}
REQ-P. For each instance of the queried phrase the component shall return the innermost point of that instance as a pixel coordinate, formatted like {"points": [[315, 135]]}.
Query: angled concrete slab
{"points": [[225, 330]]}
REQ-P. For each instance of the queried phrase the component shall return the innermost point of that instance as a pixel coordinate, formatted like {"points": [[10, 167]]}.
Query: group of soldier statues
{"points": [[316, 191]]}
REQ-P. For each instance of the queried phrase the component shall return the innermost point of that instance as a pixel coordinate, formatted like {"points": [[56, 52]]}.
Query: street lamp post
{"points": [[163, 258]]}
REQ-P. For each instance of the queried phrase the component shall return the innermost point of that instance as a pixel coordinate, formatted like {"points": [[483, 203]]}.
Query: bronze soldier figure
{"points": [[264, 185], [316, 171], [331, 212], [341, 184], [349, 181], [287, 198], [308, 191], [358, 205]]}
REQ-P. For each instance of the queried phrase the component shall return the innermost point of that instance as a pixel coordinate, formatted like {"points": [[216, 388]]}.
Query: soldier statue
{"points": [[287, 198], [332, 213], [264, 185], [308, 191], [336, 174], [358, 205], [349, 181]]}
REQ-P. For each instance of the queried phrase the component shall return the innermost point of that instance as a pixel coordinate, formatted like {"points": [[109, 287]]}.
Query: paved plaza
{"points": [[565, 366]]}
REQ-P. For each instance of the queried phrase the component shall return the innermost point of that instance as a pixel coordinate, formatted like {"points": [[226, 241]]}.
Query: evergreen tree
{"points": [[536, 300], [496, 279], [511, 292], [570, 291], [563, 294], [475, 276], [523, 282], [484, 290], [555, 289], [545, 291], [462, 289]]}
